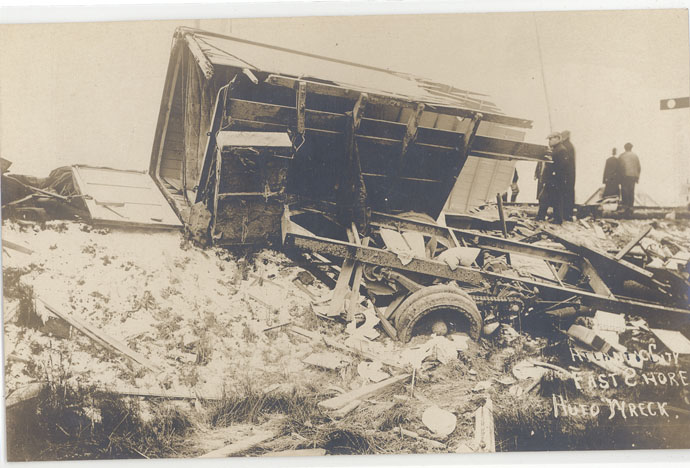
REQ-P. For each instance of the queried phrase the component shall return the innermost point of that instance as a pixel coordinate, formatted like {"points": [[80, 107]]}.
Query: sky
{"points": [[90, 93]]}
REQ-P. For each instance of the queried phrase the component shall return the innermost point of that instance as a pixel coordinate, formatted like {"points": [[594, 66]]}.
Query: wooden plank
{"points": [[342, 286], [241, 445], [411, 129], [633, 242], [14, 246], [501, 215], [168, 109], [358, 110], [317, 452], [554, 273], [136, 392], [356, 280], [604, 262], [387, 326], [101, 338], [389, 100], [487, 144], [595, 280], [301, 106], [414, 435], [361, 393], [484, 431], [673, 340]]}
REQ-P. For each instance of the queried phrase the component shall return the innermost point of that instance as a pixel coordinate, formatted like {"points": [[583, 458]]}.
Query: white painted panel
{"points": [[124, 197]]}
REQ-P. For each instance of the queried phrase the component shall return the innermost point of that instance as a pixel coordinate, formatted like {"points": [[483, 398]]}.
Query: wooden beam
{"points": [[411, 130], [501, 215], [249, 74], [595, 280], [301, 107], [338, 402], [554, 273], [601, 261], [314, 452], [630, 245], [358, 110], [204, 64], [484, 431], [357, 279], [395, 101], [101, 338], [168, 109], [17, 247], [216, 195], [241, 446]]}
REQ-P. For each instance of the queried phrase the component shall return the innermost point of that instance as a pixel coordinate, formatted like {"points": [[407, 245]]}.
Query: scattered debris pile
{"points": [[153, 321]]}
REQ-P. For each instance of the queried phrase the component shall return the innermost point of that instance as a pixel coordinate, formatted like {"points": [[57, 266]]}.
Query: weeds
{"points": [[70, 423]]}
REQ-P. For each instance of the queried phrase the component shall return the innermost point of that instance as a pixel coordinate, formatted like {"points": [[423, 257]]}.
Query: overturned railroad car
{"points": [[246, 128]]}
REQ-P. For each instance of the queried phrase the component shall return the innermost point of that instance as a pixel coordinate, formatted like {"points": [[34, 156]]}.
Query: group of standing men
{"points": [[621, 173], [556, 181]]}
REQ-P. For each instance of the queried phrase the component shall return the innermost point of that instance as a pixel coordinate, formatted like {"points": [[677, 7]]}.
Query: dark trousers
{"points": [[551, 197], [611, 189], [569, 200], [628, 191]]}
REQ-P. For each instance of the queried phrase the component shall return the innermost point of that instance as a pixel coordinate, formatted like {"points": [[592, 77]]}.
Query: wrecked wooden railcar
{"points": [[357, 163], [361, 136]]}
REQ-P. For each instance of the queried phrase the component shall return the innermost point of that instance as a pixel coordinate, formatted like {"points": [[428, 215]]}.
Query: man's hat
{"points": [[553, 134], [565, 134]]}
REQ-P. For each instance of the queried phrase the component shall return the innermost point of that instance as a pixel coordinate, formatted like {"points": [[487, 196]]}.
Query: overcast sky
{"points": [[90, 93]]}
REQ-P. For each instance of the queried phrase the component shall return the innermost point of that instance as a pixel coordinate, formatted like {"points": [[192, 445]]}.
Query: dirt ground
{"points": [[215, 329]]}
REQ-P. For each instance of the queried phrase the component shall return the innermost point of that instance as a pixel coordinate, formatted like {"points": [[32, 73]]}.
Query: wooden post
{"points": [[411, 130], [301, 106], [501, 215]]}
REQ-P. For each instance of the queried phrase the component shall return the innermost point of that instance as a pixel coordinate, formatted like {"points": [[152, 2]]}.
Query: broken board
{"points": [[673, 339], [117, 197]]}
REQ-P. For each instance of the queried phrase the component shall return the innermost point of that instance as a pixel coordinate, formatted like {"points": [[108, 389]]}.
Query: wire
{"points": [[543, 79]]}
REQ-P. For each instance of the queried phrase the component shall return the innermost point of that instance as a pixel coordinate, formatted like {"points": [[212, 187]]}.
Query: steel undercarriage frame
{"points": [[599, 297]]}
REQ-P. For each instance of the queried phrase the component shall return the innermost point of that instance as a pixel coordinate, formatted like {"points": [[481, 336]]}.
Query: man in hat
{"points": [[630, 175], [553, 180], [611, 180], [569, 175]]}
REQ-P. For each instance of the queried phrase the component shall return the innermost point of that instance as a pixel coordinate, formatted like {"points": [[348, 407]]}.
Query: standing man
{"points": [[553, 179], [569, 187], [630, 175], [612, 180]]}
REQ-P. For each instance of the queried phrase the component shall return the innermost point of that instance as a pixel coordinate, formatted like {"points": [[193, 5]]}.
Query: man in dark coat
{"points": [[554, 178], [569, 186], [630, 175], [611, 180]]}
